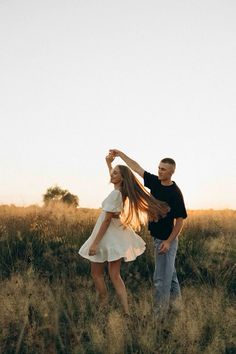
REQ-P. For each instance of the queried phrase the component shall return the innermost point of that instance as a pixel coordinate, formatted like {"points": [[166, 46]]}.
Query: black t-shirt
{"points": [[173, 196]]}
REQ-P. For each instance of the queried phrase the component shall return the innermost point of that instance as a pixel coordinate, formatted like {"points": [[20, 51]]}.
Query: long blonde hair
{"points": [[139, 205]]}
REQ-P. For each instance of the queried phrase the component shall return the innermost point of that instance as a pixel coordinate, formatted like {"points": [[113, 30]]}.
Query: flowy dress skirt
{"points": [[118, 242]]}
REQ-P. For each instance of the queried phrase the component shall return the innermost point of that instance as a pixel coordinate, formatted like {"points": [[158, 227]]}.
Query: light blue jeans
{"points": [[166, 284]]}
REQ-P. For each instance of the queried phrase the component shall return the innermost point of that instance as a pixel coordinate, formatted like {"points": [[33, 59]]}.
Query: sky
{"points": [[152, 78]]}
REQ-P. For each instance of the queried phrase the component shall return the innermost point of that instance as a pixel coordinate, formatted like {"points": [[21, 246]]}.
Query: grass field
{"points": [[48, 302]]}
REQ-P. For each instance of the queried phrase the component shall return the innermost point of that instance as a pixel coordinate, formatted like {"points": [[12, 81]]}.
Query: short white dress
{"points": [[118, 241]]}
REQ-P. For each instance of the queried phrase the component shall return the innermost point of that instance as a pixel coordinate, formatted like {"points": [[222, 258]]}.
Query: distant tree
{"points": [[70, 199], [57, 194]]}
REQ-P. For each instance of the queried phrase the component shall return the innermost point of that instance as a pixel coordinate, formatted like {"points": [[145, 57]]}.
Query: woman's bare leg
{"points": [[97, 272], [114, 272]]}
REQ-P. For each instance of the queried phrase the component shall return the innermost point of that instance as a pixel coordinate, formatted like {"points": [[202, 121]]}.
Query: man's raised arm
{"points": [[131, 163]]}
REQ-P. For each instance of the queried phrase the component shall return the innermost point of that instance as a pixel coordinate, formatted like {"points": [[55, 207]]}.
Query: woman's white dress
{"points": [[118, 241]]}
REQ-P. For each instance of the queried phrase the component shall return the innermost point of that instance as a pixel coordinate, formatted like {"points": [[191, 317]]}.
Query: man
{"points": [[165, 232]]}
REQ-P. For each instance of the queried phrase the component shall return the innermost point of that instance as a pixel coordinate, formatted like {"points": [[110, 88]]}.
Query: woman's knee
{"points": [[97, 272], [114, 274]]}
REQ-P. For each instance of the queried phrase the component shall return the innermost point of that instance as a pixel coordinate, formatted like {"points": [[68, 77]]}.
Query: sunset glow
{"points": [[154, 79]]}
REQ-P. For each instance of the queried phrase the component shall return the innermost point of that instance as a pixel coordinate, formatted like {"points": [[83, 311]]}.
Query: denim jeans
{"points": [[166, 284]]}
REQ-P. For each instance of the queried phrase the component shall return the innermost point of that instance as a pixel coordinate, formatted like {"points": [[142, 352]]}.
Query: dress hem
{"points": [[91, 258]]}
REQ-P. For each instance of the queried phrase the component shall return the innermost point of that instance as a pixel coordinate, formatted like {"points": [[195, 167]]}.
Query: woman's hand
{"points": [[93, 249], [110, 158]]}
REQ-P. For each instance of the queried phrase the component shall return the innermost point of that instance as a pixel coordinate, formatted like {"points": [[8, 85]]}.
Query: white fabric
{"points": [[118, 241], [113, 202]]}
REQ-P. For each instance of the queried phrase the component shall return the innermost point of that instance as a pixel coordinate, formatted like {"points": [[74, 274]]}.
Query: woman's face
{"points": [[116, 176]]}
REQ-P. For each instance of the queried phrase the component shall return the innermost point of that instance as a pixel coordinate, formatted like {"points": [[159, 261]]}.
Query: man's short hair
{"points": [[169, 160]]}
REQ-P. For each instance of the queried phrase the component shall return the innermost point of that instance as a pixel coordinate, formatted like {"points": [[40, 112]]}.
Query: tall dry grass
{"points": [[48, 302]]}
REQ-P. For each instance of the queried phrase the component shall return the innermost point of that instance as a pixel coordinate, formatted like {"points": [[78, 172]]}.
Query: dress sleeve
{"points": [[113, 203]]}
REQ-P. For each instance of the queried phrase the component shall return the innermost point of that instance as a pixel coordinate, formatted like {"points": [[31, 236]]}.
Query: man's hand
{"points": [[164, 248], [93, 249], [115, 152], [131, 163]]}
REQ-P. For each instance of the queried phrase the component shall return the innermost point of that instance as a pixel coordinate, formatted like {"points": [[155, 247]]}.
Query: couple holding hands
{"points": [[125, 209]]}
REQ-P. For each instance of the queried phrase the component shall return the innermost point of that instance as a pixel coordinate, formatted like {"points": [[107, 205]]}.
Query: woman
{"points": [[112, 238]]}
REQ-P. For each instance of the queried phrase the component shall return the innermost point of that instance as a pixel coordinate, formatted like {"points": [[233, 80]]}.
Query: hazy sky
{"points": [[152, 78]]}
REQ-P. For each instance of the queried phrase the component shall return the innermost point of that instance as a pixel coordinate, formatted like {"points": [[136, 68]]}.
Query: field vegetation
{"points": [[48, 302]]}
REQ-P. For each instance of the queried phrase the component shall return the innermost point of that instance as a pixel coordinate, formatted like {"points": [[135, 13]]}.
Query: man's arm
{"points": [[165, 245], [131, 163]]}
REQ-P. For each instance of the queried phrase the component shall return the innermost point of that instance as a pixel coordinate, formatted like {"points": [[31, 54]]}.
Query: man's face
{"points": [[165, 171]]}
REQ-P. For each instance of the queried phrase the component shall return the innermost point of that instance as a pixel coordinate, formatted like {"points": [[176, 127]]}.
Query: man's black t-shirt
{"points": [[173, 196]]}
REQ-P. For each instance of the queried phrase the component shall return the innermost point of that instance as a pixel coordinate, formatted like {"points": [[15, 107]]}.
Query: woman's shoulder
{"points": [[113, 201], [115, 194]]}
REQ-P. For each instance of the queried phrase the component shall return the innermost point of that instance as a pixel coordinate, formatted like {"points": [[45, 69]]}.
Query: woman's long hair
{"points": [[139, 205]]}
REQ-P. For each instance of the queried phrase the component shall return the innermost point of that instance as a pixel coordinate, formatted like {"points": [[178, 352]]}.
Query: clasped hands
{"points": [[112, 154]]}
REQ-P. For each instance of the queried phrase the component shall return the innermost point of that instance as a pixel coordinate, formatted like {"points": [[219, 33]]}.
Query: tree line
{"points": [[56, 194]]}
